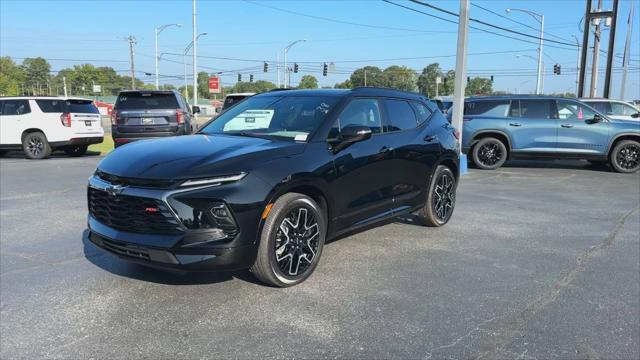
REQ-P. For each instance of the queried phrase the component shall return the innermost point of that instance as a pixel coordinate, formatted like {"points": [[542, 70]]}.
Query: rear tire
{"points": [[76, 150], [441, 198], [291, 241], [489, 153], [36, 146], [625, 156]]}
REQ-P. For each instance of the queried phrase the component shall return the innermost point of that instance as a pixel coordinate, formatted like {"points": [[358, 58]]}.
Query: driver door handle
{"points": [[567, 126], [515, 124], [430, 138]]}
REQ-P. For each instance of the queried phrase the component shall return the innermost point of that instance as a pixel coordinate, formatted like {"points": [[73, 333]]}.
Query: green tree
{"points": [[203, 85], [11, 77], [36, 73], [308, 82], [399, 77], [372, 74], [479, 86], [256, 87], [347, 84], [427, 80]]}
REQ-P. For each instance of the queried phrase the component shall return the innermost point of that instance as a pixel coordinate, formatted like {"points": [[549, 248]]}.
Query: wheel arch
{"points": [[498, 134], [620, 137], [451, 161], [31, 130]]}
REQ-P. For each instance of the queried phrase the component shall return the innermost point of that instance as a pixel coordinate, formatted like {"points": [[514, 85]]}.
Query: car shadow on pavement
{"points": [[117, 266], [556, 164], [54, 155]]}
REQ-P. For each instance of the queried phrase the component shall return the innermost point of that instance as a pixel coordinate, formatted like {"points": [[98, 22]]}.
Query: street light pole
{"points": [[577, 65], [287, 79], [158, 31], [195, 59], [184, 64], [539, 18]]}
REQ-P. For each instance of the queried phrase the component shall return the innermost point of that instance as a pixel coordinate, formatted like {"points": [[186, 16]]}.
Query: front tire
{"points": [[625, 156], [76, 150], [441, 198], [489, 153], [36, 146], [291, 241]]}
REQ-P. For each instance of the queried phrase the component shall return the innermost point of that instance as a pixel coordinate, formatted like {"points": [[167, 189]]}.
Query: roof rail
{"points": [[280, 89]]}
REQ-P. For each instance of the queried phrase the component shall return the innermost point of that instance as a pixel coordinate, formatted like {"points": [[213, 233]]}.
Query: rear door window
{"points": [[146, 101], [15, 107], [535, 109], [400, 116], [489, 108], [51, 106]]}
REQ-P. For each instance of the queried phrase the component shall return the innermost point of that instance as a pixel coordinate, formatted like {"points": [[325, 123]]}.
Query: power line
{"points": [[473, 27], [489, 24], [73, 60], [515, 21], [341, 21]]}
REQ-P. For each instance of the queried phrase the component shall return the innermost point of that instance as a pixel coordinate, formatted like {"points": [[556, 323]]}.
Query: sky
{"points": [[350, 34]]}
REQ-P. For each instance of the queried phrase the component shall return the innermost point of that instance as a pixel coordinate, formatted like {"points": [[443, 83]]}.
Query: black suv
{"points": [[266, 183], [139, 115]]}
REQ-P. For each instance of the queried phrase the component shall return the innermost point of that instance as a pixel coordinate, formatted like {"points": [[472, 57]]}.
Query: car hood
{"points": [[194, 156]]}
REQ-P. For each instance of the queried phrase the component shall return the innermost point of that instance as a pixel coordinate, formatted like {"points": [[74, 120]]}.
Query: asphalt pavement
{"points": [[540, 260]]}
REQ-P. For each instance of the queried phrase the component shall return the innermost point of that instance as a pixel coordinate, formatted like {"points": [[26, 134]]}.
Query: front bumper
{"points": [[215, 259], [186, 250]]}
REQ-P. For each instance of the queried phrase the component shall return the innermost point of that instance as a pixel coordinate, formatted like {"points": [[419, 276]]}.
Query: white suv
{"points": [[40, 125], [614, 109]]}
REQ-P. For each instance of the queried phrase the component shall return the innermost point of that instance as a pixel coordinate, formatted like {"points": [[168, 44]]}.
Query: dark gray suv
{"points": [[144, 114]]}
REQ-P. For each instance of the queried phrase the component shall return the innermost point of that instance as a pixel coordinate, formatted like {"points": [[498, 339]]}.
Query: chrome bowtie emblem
{"points": [[114, 190]]}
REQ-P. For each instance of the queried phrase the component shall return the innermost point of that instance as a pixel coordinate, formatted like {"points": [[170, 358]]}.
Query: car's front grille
{"points": [[132, 213], [146, 183]]}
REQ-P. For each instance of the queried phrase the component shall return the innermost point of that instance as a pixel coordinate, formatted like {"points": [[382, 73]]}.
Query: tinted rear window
{"points": [[401, 116], [15, 107], [494, 108], [70, 106], [535, 109], [142, 101]]}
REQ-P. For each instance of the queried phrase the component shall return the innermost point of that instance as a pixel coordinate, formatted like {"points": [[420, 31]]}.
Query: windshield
{"points": [[288, 117], [146, 101]]}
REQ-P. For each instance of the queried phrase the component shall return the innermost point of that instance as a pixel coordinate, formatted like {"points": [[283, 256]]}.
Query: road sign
{"points": [[438, 80], [214, 85], [97, 88]]}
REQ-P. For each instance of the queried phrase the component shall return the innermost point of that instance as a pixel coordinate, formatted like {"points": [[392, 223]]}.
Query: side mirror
{"points": [[351, 134], [195, 109], [596, 119], [636, 115]]}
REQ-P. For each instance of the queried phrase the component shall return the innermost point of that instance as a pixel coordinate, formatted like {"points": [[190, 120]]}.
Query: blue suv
{"points": [[501, 128]]}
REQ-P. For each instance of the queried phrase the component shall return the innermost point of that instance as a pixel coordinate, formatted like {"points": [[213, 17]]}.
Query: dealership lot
{"points": [[541, 260]]}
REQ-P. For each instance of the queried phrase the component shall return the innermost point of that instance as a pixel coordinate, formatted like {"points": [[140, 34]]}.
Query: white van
{"points": [[40, 125]]}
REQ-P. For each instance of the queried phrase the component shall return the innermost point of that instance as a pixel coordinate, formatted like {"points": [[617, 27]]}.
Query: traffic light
{"points": [[491, 78], [556, 69], [239, 77], [265, 67], [251, 78], [468, 79], [325, 69], [295, 67], [444, 81]]}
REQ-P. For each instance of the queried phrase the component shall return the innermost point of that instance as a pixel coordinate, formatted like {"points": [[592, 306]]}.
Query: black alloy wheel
{"points": [[625, 157], [291, 241], [296, 242], [489, 153], [441, 198], [35, 146]]}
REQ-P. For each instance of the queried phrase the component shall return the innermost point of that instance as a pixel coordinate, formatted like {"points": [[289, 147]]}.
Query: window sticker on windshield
{"points": [[249, 120], [300, 137]]}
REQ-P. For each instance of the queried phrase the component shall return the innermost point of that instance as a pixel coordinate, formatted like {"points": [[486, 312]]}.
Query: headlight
{"points": [[214, 181]]}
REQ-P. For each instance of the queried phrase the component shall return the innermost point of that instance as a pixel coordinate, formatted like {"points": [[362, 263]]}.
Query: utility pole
{"points": [[461, 63], [577, 65], [278, 68], [195, 59], [625, 59], [64, 85], [596, 54], [132, 41], [365, 77]]}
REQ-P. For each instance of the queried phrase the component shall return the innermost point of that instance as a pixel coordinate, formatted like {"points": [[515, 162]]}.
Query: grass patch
{"points": [[104, 147]]}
